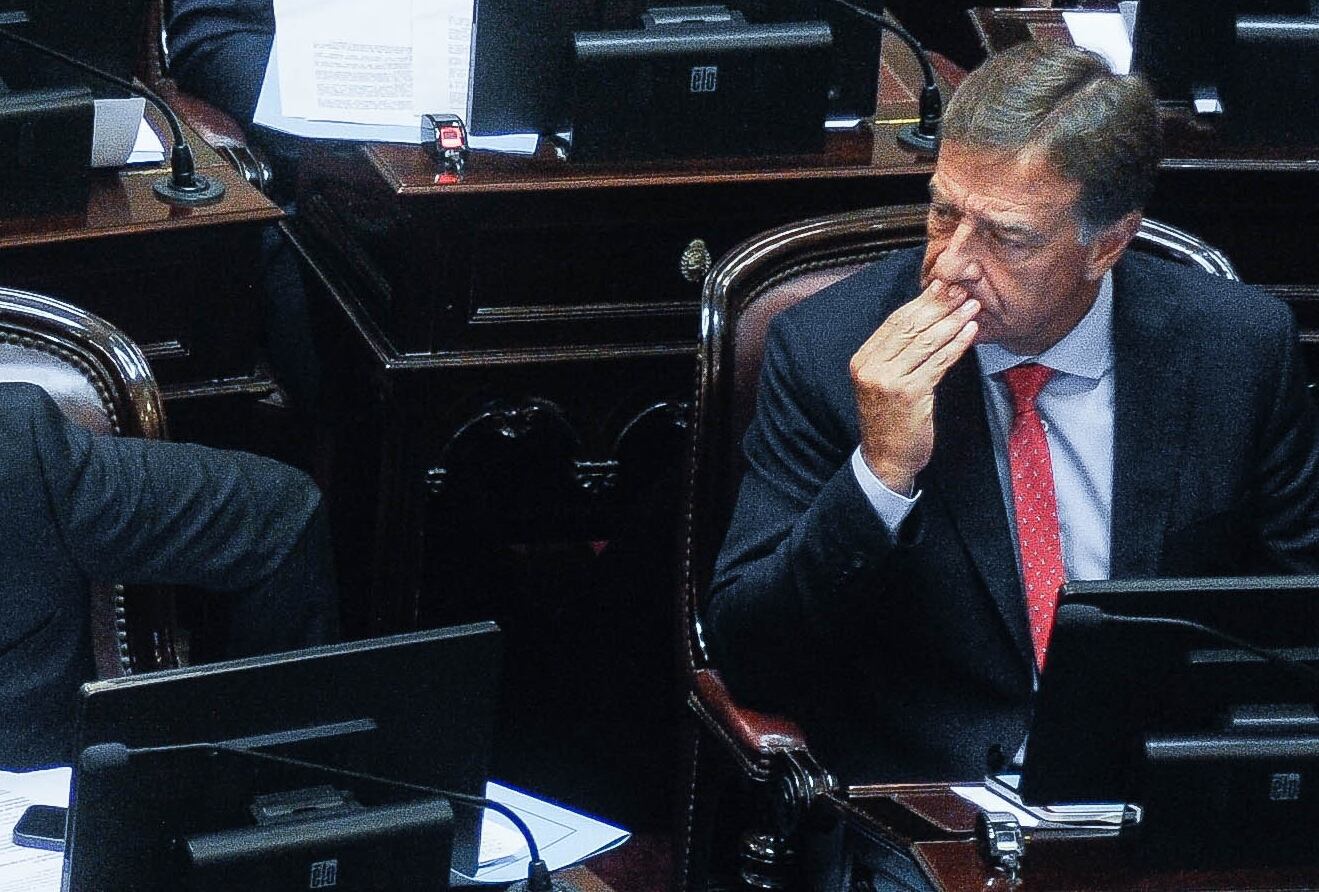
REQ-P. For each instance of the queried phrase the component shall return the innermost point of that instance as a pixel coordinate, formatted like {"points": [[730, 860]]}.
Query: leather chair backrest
{"points": [[750, 285], [101, 380], [153, 53]]}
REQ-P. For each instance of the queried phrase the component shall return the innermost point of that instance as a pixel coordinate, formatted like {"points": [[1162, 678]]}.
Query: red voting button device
{"points": [[445, 137]]}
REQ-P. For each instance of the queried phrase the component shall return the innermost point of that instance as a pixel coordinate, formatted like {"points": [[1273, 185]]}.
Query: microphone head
{"points": [[103, 757]]}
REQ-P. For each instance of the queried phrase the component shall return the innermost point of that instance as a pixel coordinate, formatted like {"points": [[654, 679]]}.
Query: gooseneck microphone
{"points": [[1088, 615], [922, 136], [109, 756], [184, 185]]}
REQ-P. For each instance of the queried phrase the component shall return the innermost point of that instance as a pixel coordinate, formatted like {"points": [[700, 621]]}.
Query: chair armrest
{"points": [[219, 131], [212, 125], [756, 737]]}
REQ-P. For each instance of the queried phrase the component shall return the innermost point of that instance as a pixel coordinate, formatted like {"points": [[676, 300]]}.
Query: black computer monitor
{"points": [[1214, 741], [521, 76], [1258, 59], [416, 708]]}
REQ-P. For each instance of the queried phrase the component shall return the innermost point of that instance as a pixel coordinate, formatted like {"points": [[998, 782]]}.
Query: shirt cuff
{"points": [[891, 507]]}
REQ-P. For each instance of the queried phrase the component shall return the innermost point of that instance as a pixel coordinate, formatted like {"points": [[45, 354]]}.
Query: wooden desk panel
{"points": [[430, 257], [937, 828], [121, 203], [553, 290], [181, 281]]}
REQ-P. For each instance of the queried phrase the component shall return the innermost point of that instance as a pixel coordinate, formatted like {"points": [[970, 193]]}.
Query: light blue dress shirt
{"points": [[1076, 407]]}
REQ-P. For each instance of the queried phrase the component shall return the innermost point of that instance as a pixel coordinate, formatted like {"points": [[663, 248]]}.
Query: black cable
{"points": [[903, 34], [185, 186], [1088, 614], [924, 135], [462, 798]]}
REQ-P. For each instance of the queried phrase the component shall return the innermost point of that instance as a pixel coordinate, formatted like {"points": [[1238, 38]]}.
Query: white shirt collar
{"points": [[1086, 351]]}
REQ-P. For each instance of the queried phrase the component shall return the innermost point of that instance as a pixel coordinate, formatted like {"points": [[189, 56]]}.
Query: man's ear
{"points": [[1108, 245]]}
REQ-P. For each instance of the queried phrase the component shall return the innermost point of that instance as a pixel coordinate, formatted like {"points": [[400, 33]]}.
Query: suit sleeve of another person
{"points": [[219, 50], [146, 511], [1287, 471], [796, 569]]}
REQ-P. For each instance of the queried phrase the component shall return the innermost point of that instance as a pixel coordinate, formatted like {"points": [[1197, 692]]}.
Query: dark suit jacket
{"points": [[908, 657], [219, 49], [80, 507]]}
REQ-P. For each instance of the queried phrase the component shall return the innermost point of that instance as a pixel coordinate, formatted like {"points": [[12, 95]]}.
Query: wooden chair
{"points": [[743, 292], [101, 380]]}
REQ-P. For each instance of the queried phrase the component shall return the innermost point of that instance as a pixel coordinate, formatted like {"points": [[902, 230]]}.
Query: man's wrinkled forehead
{"points": [[1001, 187]]}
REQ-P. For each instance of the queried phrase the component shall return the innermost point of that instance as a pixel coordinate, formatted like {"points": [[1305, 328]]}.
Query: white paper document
{"points": [[23, 869], [270, 113], [345, 60], [1127, 8], [1104, 33], [344, 69], [564, 837], [115, 123], [1079, 816], [121, 134]]}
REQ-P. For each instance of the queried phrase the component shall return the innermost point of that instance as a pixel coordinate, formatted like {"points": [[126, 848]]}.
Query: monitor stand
{"points": [[1245, 795], [322, 838]]}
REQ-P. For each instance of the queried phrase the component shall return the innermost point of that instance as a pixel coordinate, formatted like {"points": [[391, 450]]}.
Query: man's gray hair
{"points": [[1098, 129]]}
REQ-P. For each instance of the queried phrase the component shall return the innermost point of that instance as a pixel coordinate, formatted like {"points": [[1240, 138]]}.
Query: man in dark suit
{"points": [[81, 508], [946, 436]]}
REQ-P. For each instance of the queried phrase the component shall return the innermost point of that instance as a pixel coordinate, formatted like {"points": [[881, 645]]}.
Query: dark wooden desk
{"points": [[538, 302], [515, 353], [182, 282], [937, 827]]}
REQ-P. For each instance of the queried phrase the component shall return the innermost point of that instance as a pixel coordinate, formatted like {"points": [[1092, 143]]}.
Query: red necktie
{"points": [[1036, 504]]}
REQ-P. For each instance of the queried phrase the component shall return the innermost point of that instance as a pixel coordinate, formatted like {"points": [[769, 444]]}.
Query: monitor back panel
{"points": [[694, 91], [431, 697]]}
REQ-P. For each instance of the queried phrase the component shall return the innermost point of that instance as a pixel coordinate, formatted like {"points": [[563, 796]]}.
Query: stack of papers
{"points": [[563, 837], [344, 69], [999, 793]]}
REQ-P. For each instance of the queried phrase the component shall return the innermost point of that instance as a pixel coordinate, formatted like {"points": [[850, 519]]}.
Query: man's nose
{"points": [[958, 262]]}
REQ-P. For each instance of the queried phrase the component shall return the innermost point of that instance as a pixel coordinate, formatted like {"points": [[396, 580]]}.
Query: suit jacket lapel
{"points": [[964, 473], [1152, 371]]}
